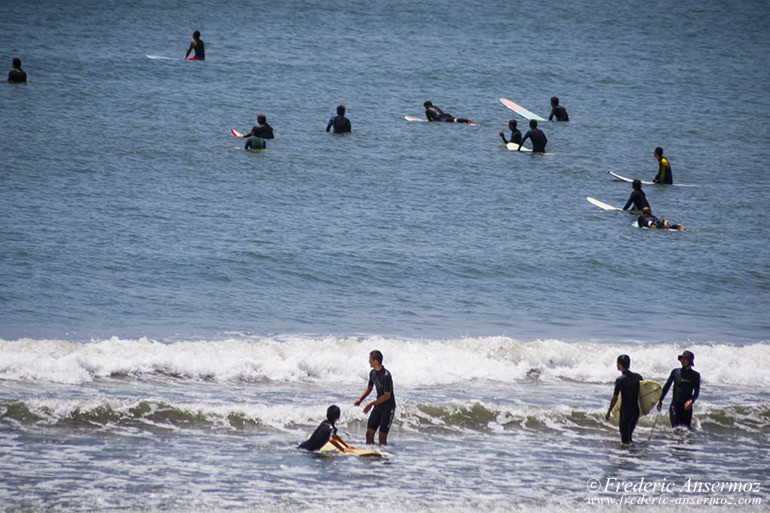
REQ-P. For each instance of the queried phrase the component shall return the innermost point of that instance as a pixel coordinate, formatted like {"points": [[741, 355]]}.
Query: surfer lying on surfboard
{"points": [[433, 113], [326, 432], [647, 220]]}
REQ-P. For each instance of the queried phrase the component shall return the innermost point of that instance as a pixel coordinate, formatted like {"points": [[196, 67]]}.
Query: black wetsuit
{"points": [[341, 124], [538, 139], [664, 175], [265, 131], [320, 436], [515, 137], [686, 387], [17, 76], [200, 50], [628, 386], [649, 221], [382, 414], [560, 113], [638, 199], [433, 113]]}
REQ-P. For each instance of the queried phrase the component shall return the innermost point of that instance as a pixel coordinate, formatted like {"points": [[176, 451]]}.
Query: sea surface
{"points": [[176, 313]]}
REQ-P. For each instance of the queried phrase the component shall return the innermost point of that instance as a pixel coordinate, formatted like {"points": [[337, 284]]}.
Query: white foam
{"points": [[344, 361]]}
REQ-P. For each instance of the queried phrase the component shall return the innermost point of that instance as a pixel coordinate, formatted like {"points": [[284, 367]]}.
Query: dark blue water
{"points": [[165, 294]]}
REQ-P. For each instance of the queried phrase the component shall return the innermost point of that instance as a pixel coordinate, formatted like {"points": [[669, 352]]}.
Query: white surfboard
{"points": [[236, 133], [412, 118], [629, 180], [601, 204], [161, 58], [521, 111], [515, 146]]}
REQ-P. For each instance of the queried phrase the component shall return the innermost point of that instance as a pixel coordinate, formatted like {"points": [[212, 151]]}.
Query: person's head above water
{"points": [[333, 413], [658, 152], [261, 119], [624, 361], [512, 124], [196, 34], [554, 101], [636, 185], [340, 110], [16, 62], [427, 104], [533, 123]]}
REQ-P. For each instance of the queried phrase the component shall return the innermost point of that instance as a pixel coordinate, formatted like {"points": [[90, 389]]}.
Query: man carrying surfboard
{"points": [[537, 137], [384, 406], [628, 386], [557, 111], [664, 175], [340, 123], [433, 113], [326, 432], [637, 197], [199, 47], [515, 133], [686, 389]]}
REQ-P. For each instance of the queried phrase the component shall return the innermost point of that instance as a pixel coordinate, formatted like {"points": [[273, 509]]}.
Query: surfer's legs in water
{"points": [[627, 424], [379, 419], [679, 416]]}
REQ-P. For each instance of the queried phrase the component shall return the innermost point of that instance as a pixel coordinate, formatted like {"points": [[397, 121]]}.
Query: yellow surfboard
{"points": [[353, 451], [649, 395]]}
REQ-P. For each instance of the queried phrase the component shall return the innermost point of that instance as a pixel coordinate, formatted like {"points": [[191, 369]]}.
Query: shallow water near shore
{"points": [[176, 313]]}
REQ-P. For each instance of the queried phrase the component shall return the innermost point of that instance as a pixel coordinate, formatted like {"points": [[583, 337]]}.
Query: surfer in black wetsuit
{"points": [[433, 113], [326, 432], [686, 389], [384, 407], [664, 175], [515, 133], [199, 47], [17, 75], [340, 123], [628, 384], [637, 197], [256, 138], [647, 220], [557, 111], [537, 137]]}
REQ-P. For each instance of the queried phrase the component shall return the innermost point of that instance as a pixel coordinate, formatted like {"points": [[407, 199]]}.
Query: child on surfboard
{"points": [[326, 432]]}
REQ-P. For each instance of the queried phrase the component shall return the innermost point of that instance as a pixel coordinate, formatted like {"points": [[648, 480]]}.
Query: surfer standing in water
{"points": [[384, 407], [326, 432], [17, 75], [628, 384], [557, 111], [686, 389], [664, 175], [199, 47], [433, 113], [515, 133], [537, 137], [637, 197], [340, 123]]}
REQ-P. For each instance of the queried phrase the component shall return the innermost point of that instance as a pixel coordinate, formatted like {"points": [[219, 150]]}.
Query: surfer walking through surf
{"points": [[686, 389], [384, 406], [627, 385]]}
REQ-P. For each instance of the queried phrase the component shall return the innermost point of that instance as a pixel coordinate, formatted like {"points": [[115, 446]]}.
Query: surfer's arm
{"points": [[337, 442], [384, 397], [331, 121], [612, 405], [665, 389], [526, 136], [502, 136], [190, 49], [363, 396], [695, 393]]}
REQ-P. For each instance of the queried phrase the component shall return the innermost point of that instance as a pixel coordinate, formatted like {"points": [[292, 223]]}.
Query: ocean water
{"points": [[176, 313]]}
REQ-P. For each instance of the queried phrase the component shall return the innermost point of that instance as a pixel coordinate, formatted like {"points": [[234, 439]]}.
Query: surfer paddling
{"points": [[628, 384], [198, 45], [17, 75], [647, 220], [384, 407], [515, 133], [537, 137], [326, 432], [664, 175], [557, 111], [433, 113], [686, 389]]}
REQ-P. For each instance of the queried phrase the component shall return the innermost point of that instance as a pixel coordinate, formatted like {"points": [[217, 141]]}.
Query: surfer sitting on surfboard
{"points": [[515, 133], [326, 432], [647, 220], [557, 111], [628, 386], [433, 113], [686, 390], [637, 197], [537, 137], [340, 123], [199, 47], [664, 175], [256, 138]]}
